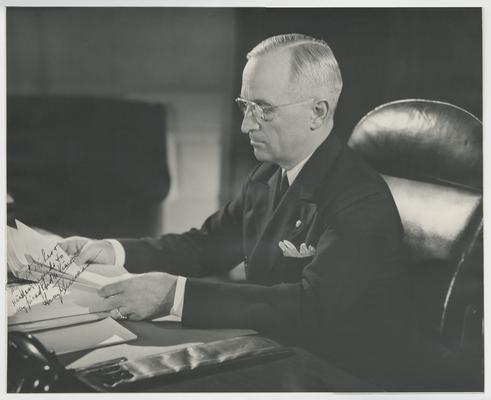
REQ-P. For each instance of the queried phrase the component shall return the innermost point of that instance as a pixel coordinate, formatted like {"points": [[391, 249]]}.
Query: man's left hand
{"points": [[141, 296]]}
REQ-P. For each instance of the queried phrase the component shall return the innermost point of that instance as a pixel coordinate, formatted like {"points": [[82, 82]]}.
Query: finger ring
{"points": [[119, 314]]}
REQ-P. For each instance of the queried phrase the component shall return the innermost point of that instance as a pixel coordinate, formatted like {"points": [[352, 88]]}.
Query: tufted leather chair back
{"points": [[430, 155]]}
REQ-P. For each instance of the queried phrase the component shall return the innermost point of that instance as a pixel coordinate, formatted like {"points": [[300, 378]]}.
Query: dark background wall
{"points": [[384, 55], [180, 58], [118, 51]]}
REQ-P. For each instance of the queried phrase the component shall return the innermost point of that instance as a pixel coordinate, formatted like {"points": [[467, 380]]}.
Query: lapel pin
{"points": [[298, 223]]}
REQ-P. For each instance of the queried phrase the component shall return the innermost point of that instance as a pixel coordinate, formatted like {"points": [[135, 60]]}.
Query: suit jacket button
{"points": [[298, 223]]}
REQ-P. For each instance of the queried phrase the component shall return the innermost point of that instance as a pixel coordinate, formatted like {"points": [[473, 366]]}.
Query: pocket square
{"points": [[289, 249]]}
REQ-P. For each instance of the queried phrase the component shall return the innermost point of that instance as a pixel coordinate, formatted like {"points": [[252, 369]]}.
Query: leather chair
{"points": [[430, 155], [92, 166]]}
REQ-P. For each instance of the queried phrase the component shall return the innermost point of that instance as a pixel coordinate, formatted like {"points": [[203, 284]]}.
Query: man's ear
{"points": [[320, 113]]}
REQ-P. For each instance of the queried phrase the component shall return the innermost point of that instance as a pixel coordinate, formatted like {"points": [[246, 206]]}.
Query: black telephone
{"points": [[32, 368]]}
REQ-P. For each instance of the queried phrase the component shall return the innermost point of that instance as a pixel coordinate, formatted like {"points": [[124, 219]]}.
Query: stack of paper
{"points": [[60, 287]]}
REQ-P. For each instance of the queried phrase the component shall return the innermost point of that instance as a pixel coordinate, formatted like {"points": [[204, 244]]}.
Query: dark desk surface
{"points": [[302, 371]]}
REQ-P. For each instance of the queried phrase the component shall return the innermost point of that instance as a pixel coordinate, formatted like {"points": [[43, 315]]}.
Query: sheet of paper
{"points": [[109, 271], [85, 336], [32, 255], [34, 241], [123, 350], [62, 288], [58, 322], [32, 304], [44, 250], [25, 297]]}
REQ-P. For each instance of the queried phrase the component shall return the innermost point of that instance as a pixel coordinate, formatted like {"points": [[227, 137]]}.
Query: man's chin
{"points": [[261, 155]]}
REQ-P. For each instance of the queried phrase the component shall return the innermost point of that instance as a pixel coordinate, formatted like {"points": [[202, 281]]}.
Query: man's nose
{"points": [[249, 123]]}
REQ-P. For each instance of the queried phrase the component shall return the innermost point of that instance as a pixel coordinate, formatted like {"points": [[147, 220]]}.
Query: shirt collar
{"points": [[293, 172]]}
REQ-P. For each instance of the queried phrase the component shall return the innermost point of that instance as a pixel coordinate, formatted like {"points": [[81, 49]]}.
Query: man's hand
{"points": [[141, 296], [89, 251]]}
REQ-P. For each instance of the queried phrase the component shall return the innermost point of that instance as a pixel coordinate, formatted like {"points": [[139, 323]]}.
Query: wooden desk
{"points": [[299, 372]]}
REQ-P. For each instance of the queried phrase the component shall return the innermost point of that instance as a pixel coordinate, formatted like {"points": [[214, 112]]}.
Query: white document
{"points": [[60, 287], [57, 322], [85, 336], [31, 304], [34, 256]]}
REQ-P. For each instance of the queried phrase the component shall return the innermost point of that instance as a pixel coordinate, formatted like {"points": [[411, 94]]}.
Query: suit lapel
{"points": [[299, 204]]}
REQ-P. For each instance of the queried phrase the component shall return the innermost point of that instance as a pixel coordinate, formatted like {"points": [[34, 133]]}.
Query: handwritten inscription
{"points": [[52, 280]]}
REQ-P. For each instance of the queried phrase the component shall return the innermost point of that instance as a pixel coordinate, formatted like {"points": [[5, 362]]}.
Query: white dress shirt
{"points": [[176, 311], [293, 172]]}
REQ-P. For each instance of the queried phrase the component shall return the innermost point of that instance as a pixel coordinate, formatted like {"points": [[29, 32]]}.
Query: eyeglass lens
{"points": [[256, 110]]}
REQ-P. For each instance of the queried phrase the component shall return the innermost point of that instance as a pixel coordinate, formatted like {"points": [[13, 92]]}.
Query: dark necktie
{"points": [[284, 185]]}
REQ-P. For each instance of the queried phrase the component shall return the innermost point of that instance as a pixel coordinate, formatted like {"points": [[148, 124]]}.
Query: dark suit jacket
{"points": [[345, 302]]}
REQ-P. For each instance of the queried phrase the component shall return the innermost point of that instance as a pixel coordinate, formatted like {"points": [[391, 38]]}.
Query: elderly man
{"points": [[317, 229]]}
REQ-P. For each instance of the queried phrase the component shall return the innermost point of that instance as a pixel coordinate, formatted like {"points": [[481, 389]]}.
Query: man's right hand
{"points": [[88, 251]]}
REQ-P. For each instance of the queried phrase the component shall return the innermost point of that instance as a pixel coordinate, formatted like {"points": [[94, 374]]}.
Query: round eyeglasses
{"points": [[265, 113]]}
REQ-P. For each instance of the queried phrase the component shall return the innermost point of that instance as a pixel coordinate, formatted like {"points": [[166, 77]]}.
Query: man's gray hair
{"points": [[313, 65]]}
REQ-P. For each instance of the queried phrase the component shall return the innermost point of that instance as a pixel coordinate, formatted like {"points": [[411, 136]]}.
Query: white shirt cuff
{"points": [[119, 253], [175, 314]]}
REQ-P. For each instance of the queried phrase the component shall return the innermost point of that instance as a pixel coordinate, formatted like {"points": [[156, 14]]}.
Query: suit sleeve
{"points": [[211, 250], [352, 271]]}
